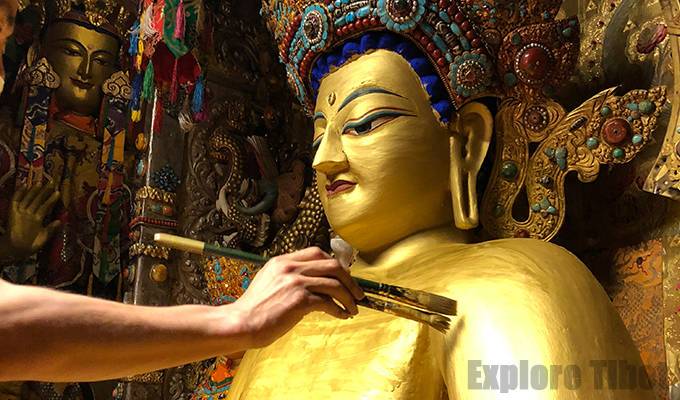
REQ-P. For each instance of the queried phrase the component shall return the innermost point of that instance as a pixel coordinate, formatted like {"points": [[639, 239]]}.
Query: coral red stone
{"points": [[534, 63], [476, 43], [465, 26], [424, 41], [459, 18], [522, 233], [441, 61], [470, 35], [436, 53], [616, 130], [430, 47]]}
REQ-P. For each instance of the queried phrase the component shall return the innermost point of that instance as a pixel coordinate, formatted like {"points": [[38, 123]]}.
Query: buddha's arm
{"points": [[537, 305]]}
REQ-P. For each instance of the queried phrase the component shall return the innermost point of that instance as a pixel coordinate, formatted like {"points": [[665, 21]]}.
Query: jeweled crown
{"points": [[109, 15], [478, 47]]}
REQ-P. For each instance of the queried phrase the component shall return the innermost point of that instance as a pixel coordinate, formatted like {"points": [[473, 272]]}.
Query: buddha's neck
{"points": [[404, 247]]}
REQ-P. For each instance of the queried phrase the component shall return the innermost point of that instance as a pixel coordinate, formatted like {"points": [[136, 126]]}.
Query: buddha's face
{"points": [[83, 58], [383, 156]]}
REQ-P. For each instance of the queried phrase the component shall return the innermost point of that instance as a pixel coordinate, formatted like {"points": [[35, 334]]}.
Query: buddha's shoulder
{"points": [[520, 263]]}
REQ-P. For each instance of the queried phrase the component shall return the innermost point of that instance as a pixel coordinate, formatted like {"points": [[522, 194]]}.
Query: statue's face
{"points": [[83, 58], [383, 157]]}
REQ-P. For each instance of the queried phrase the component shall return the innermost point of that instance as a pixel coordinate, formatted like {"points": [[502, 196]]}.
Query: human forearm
{"points": [[61, 337]]}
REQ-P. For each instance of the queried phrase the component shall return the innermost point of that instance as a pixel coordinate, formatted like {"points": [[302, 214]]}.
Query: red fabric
{"points": [[188, 69]]}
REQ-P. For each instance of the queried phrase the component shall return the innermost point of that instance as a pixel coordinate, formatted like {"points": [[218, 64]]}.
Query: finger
{"points": [[334, 289], [46, 207], [19, 194], [45, 236], [308, 254], [40, 198], [332, 269], [30, 195], [52, 228], [325, 304]]}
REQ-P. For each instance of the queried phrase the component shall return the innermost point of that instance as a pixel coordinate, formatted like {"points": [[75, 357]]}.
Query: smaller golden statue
{"points": [[72, 140]]}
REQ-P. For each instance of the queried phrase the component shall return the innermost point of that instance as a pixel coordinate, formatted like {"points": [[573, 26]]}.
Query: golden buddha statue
{"points": [[72, 138], [401, 139]]}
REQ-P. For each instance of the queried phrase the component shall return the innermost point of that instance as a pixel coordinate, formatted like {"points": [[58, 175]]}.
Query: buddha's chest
{"points": [[372, 356]]}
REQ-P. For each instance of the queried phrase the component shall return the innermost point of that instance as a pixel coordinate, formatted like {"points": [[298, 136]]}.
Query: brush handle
{"points": [[197, 247]]}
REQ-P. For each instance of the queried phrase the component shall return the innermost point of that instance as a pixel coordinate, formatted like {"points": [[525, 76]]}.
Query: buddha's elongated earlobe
{"points": [[471, 131]]}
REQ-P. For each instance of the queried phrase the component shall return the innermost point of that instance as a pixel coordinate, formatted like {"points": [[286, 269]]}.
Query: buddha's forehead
{"points": [[87, 37], [382, 69]]}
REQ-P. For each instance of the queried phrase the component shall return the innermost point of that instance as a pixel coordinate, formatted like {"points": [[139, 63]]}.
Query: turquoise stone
{"points": [[509, 170], [545, 203], [637, 139], [535, 207], [516, 39], [632, 106], [618, 153], [551, 210], [646, 107], [606, 111], [592, 142], [567, 32], [510, 79], [498, 210], [550, 152]]}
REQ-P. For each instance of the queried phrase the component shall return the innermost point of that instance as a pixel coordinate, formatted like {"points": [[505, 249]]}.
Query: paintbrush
{"points": [[419, 306], [432, 305], [416, 298]]}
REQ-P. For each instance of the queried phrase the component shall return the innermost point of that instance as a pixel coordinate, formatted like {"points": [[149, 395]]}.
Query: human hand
{"points": [[289, 287], [26, 233]]}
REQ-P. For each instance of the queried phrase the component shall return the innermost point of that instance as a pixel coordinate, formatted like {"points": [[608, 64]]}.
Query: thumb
{"points": [[45, 235], [52, 228]]}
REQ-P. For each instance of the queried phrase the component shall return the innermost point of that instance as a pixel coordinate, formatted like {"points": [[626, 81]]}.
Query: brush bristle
{"points": [[439, 322], [436, 303]]}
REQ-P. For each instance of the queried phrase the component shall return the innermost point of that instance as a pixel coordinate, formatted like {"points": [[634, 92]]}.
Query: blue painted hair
{"points": [[439, 98]]}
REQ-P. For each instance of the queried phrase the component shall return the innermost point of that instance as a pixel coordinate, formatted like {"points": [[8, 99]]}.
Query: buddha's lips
{"points": [[81, 84], [339, 186]]}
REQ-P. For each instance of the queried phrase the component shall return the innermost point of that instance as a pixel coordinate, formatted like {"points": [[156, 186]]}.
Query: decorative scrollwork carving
{"points": [[42, 74], [118, 85]]}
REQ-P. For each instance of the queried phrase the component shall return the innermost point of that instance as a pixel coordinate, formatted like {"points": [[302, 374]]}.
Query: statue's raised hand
{"points": [[26, 233]]}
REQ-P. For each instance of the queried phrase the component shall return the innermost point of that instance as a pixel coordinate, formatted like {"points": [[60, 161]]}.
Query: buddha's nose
{"points": [[330, 159], [85, 69]]}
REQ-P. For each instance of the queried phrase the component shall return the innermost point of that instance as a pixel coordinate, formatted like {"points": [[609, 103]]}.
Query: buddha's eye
{"points": [[371, 122], [102, 62], [70, 52]]}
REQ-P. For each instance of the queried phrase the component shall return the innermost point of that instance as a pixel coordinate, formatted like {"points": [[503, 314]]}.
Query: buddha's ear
{"points": [[471, 131]]}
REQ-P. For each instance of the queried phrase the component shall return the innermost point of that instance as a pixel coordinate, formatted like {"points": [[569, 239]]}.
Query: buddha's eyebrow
{"points": [[363, 92], [319, 115]]}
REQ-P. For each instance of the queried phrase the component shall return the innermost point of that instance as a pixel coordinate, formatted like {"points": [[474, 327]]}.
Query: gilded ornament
{"points": [[118, 85], [149, 192], [159, 273], [150, 250], [42, 74]]}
